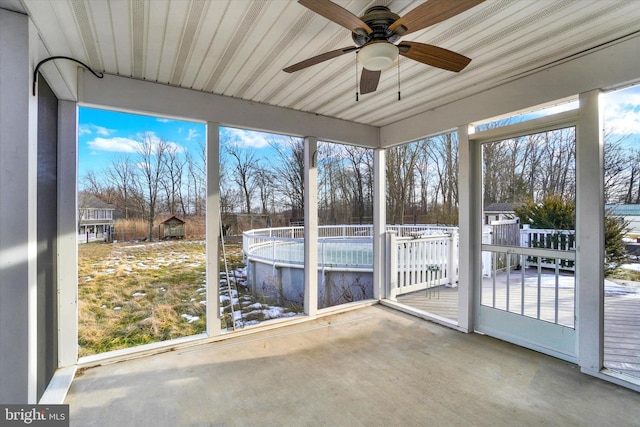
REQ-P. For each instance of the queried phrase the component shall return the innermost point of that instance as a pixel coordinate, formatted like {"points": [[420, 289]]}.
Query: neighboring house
{"points": [[173, 228], [498, 212], [630, 213], [95, 217]]}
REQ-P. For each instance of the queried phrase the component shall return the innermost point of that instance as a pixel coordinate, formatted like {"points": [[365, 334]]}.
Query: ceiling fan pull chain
{"points": [[357, 79], [398, 79]]}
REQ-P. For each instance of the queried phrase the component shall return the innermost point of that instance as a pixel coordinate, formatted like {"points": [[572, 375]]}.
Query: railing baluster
{"points": [[522, 278], [557, 290], [539, 284], [508, 279], [494, 256]]}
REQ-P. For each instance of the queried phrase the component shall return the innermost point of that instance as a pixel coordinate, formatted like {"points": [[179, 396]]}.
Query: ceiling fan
{"points": [[377, 31]]}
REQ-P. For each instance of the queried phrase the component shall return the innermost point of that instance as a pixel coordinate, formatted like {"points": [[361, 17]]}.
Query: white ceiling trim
{"points": [[151, 98]]}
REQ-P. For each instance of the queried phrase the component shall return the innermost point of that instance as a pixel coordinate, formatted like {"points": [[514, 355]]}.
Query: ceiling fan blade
{"points": [[319, 58], [430, 13], [434, 56], [369, 81], [337, 14]]}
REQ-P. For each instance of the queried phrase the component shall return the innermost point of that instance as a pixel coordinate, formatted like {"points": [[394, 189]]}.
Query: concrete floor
{"points": [[372, 366]]}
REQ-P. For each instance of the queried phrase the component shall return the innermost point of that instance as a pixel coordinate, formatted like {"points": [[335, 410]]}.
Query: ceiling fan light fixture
{"points": [[378, 56]]}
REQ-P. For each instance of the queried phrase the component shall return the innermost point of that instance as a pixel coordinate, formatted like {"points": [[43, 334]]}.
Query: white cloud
{"points": [[154, 140], [84, 130], [117, 144], [89, 129], [103, 131], [623, 120], [193, 133], [622, 111], [129, 145], [161, 120], [245, 139], [629, 96]]}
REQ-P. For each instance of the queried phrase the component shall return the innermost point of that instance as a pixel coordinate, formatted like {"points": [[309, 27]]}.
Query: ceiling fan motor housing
{"points": [[378, 18]]}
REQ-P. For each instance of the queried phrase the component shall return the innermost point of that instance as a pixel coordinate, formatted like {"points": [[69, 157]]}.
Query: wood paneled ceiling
{"points": [[238, 48]]}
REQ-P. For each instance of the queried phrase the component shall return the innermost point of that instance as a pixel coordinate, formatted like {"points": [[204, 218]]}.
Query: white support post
{"points": [[470, 211], [213, 229], [379, 225], [590, 233], [67, 268], [311, 226], [452, 261]]}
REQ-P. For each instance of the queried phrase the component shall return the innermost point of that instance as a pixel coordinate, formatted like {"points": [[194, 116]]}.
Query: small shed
{"points": [[173, 228]]}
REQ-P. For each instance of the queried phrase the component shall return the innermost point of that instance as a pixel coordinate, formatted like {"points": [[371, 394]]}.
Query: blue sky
{"points": [[622, 112], [105, 135]]}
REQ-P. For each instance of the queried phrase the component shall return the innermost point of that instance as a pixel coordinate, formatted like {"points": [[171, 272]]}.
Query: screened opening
{"points": [[528, 222], [141, 228], [622, 231], [345, 215], [262, 217], [422, 216]]}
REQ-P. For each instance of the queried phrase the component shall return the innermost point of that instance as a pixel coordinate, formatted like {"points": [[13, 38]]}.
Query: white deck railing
{"points": [[423, 256], [562, 240], [421, 262], [346, 246]]}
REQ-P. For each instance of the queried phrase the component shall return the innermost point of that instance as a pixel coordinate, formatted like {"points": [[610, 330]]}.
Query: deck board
{"points": [[621, 320]]}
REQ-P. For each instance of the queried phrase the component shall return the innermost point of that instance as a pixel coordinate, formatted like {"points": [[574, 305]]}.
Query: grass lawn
{"points": [[138, 293]]}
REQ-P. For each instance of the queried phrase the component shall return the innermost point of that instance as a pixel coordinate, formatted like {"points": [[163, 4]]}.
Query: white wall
{"points": [[18, 155]]}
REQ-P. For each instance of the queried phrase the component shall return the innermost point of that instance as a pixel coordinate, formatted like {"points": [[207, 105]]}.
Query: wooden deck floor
{"points": [[621, 323], [622, 334]]}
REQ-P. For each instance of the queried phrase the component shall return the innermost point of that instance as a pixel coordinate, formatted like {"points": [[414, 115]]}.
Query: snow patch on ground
{"points": [[189, 318], [611, 288], [257, 312]]}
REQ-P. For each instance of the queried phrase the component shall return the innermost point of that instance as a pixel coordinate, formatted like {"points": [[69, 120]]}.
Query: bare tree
{"points": [[91, 184], [197, 180], [328, 192], [441, 152], [171, 181], [356, 158], [558, 170], [264, 180], [400, 167], [288, 166], [121, 175], [244, 166], [152, 152], [228, 194]]}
